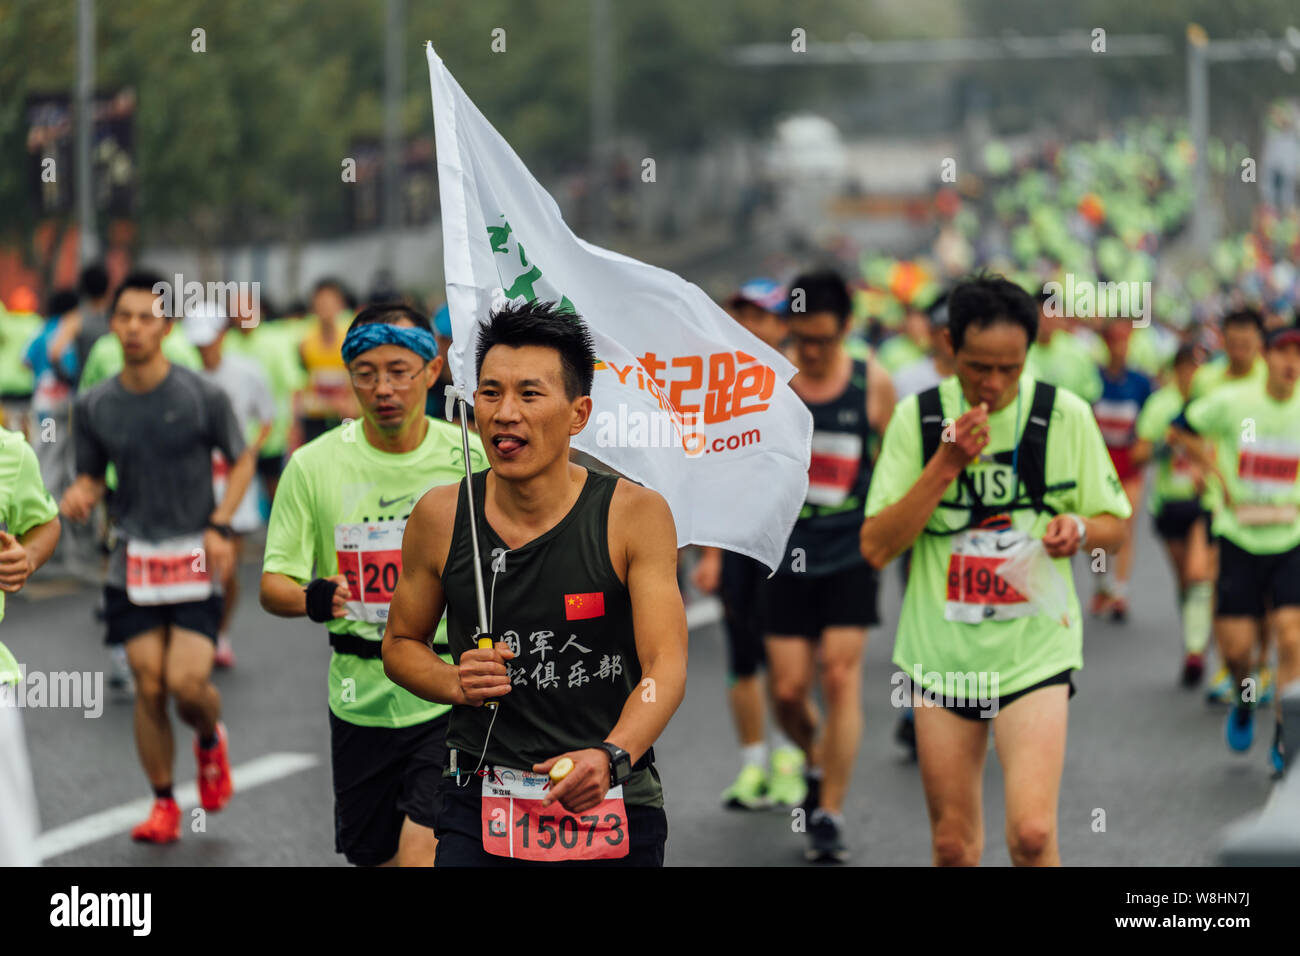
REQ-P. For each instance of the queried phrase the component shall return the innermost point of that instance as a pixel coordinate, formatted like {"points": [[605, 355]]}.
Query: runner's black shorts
{"points": [[126, 620], [742, 578], [460, 839], [1174, 521], [381, 776], [1250, 584], [804, 605], [978, 712], [269, 467]]}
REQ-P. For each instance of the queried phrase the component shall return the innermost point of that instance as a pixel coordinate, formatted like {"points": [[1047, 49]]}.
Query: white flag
{"points": [[685, 400]]}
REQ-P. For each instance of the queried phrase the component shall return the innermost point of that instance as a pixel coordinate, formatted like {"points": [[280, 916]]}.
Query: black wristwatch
{"points": [[224, 530], [620, 763]]}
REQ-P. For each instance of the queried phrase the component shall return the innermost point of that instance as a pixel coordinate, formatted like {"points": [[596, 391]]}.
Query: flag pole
{"points": [[483, 640]]}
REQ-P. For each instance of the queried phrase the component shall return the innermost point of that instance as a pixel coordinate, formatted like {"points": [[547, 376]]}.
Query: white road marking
{"points": [[120, 819]]}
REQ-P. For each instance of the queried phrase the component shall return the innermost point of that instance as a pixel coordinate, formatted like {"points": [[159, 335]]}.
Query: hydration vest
{"points": [[1031, 468]]}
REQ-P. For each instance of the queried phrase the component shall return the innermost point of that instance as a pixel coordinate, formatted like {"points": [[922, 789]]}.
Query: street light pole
{"points": [[602, 118], [88, 236], [394, 75], [1198, 104]]}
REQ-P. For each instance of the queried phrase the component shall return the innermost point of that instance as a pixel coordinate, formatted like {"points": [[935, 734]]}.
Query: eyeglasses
{"points": [[814, 341], [400, 378]]}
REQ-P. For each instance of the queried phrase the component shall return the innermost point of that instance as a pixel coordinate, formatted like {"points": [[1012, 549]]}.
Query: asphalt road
{"points": [[1148, 753]]}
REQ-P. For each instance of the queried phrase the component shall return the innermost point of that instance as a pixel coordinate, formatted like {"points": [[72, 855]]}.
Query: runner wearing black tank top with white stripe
{"points": [[822, 598], [589, 653]]}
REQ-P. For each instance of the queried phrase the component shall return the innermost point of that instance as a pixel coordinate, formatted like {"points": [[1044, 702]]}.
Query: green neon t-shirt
{"points": [[17, 329], [276, 351], [1257, 446], [899, 352], [1064, 362], [105, 358], [340, 479], [1215, 373], [24, 504], [1174, 479], [1025, 650]]}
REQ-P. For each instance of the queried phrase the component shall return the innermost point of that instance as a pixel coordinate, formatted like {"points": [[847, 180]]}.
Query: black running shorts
{"points": [[1251, 584], [742, 579], [802, 605], [126, 620], [1175, 520], [383, 775]]}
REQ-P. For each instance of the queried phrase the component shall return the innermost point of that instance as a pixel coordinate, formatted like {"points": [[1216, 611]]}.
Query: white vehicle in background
{"points": [[807, 165]]}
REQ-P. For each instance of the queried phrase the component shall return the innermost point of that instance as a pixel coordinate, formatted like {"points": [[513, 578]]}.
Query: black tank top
{"points": [[839, 472], [561, 606]]}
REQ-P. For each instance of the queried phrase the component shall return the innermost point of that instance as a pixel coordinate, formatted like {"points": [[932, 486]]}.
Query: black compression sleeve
{"points": [[320, 600]]}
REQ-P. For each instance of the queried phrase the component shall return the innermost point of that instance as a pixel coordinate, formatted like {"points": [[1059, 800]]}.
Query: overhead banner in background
{"points": [[685, 400]]}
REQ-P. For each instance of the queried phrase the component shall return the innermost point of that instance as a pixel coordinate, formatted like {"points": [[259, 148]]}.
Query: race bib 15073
{"points": [[516, 825]]}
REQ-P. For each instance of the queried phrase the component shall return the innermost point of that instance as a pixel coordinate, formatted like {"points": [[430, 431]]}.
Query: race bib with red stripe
{"points": [[975, 591], [1116, 421], [173, 571], [516, 825], [369, 555], [1269, 464], [833, 467]]}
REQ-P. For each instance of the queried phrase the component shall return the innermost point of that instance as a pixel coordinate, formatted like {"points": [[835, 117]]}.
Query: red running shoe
{"points": [[224, 656], [1193, 669], [1101, 603], [163, 825], [215, 785]]}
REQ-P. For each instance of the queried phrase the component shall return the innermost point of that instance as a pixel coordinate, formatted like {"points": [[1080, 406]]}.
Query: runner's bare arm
{"points": [[887, 534], [21, 556], [644, 525], [658, 617], [241, 476], [81, 497], [1199, 451], [282, 596], [1142, 451], [417, 606], [881, 397], [1061, 536]]}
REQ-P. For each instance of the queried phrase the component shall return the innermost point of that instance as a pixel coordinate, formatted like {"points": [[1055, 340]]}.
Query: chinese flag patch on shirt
{"points": [[579, 607]]}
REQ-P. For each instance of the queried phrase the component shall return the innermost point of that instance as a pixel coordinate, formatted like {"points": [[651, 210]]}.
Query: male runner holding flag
{"points": [[333, 553], [589, 653]]}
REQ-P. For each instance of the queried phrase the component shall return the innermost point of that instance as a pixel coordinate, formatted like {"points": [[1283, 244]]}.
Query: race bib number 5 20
{"points": [[370, 557], [516, 825]]}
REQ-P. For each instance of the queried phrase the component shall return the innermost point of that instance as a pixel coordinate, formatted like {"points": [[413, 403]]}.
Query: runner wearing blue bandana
{"points": [[333, 554]]}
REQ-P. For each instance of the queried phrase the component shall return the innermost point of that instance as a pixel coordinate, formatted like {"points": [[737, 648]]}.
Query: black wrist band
{"points": [[320, 600]]}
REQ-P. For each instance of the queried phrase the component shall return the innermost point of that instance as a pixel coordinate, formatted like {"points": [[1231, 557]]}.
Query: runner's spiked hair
{"points": [[544, 324], [985, 299], [823, 291], [139, 280]]}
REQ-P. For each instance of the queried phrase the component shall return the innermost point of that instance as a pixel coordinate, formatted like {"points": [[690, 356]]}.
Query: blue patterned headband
{"points": [[362, 338]]}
